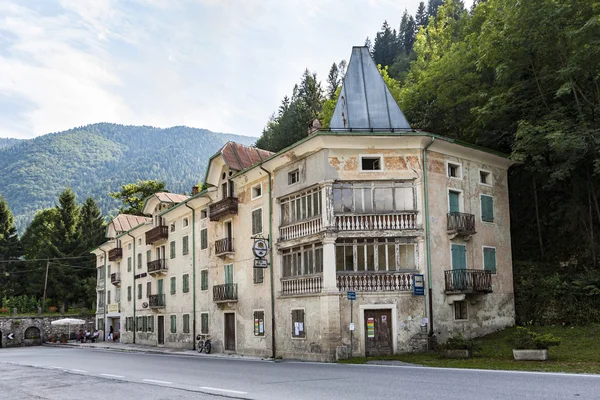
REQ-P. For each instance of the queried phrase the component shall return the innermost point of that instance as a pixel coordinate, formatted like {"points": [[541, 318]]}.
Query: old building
{"points": [[414, 225]]}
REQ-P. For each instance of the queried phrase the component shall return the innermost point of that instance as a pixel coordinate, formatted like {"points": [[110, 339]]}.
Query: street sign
{"points": [[261, 263], [260, 248], [10, 336], [351, 295], [419, 285]]}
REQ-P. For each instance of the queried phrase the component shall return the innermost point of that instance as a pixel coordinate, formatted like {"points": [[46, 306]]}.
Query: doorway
{"points": [[161, 329], [378, 333], [32, 337], [230, 331]]}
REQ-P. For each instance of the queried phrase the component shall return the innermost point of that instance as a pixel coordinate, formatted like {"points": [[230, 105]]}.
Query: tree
{"points": [[406, 34], [333, 81], [67, 229], [9, 240], [133, 195], [432, 7], [92, 225], [386, 45], [421, 16], [368, 44]]}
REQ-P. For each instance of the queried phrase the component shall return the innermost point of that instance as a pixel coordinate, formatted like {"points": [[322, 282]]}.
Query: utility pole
{"points": [[45, 285]]}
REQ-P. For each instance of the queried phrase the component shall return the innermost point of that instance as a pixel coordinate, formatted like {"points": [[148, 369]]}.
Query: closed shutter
{"points": [[173, 285], [172, 249], [173, 324], [204, 323], [185, 250], [257, 221], [228, 273], [453, 202], [204, 280], [203, 239], [489, 259], [186, 283], [186, 323], [459, 256], [487, 208], [148, 289]]}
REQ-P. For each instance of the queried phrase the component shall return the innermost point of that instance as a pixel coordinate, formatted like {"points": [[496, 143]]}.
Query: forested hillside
{"points": [[7, 142], [97, 159]]}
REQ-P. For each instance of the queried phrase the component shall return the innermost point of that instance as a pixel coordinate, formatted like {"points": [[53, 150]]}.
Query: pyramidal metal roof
{"points": [[365, 101]]}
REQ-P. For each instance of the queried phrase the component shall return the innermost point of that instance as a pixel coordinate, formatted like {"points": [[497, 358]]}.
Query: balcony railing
{"points": [[301, 229], [461, 223], [224, 246], [225, 293], [301, 284], [468, 281], [115, 254], [374, 281], [375, 222], [228, 205], [157, 266], [156, 300], [115, 278], [157, 233]]}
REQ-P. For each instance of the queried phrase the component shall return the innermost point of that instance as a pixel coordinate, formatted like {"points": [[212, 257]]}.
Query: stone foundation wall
{"points": [[18, 325]]}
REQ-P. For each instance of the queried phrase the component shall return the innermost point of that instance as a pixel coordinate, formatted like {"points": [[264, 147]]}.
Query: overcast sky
{"points": [[222, 65]]}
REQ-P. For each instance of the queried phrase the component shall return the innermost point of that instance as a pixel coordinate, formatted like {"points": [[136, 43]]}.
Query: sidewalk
{"points": [[138, 348]]}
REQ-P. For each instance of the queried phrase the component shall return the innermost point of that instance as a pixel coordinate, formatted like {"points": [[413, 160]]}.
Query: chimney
{"points": [[194, 190], [314, 126]]}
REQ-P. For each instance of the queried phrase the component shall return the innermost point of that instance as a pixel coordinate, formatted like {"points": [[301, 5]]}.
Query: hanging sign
{"points": [[261, 263], [260, 247], [371, 327], [419, 285], [351, 295]]}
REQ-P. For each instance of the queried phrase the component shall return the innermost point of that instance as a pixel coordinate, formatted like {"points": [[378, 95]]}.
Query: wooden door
{"points": [[230, 331], [161, 329], [378, 333]]}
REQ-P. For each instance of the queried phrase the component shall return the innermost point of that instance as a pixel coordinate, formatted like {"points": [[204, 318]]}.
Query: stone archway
{"points": [[32, 336]]}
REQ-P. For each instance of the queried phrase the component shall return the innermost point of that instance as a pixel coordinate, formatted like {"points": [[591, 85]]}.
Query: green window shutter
{"points": [[459, 256], [185, 250], [453, 202], [489, 259], [128, 293], [128, 264], [186, 323], [139, 288], [148, 289], [186, 283], [160, 287], [139, 260], [150, 319], [204, 280], [145, 324], [228, 273], [148, 256], [257, 221], [487, 208], [173, 324], [173, 285], [204, 323], [172, 249], [203, 239]]}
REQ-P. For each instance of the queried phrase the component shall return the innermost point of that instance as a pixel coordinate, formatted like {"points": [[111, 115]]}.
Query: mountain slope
{"points": [[97, 159], [7, 142]]}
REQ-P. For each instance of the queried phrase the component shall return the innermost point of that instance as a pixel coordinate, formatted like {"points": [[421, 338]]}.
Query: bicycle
{"points": [[203, 343]]}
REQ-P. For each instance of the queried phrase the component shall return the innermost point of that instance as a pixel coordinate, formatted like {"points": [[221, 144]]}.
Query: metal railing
{"points": [[226, 206], [468, 281], [156, 300], [461, 222], [370, 222], [374, 281], [302, 284], [225, 292], [155, 266], [224, 246], [157, 233], [115, 278]]}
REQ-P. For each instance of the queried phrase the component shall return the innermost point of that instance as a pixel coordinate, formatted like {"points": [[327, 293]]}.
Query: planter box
{"points": [[530, 355], [458, 354]]}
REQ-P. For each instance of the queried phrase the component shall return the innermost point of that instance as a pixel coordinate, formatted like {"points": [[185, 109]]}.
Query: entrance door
{"points": [[230, 331], [161, 329], [378, 333]]}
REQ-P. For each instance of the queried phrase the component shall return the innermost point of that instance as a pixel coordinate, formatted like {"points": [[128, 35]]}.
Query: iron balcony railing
{"points": [[468, 281], [224, 246], [228, 205], [225, 292], [461, 223], [115, 254], [115, 278], [156, 300], [157, 266], [157, 233]]}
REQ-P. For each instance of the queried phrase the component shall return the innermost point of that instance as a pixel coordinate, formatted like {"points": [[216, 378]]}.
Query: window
{"points": [[140, 241], [186, 323], [204, 279], [186, 222], [101, 274], [140, 323], [144, 324], [454, 201], [370, 163], [257, 221], [148, 289], [298, 324], [460, 310], [204, 239], [459, 256], [379, 254], [128, 293], [150, 323], [127, 324], [173, 285], [186, 283], [487, 208], [128, 264], [256, 191], [148, 256], [173, 324], [301, 206], [117, 295], [139, 288], [369, 197], [101, 298], [172, 227], [293, 177], [128, 246], [139, 264], [303, 260], [186, 243], [454, 170], [204, 323], [172, 249], [258, 275], [259, 323], [489, 259], [108, 297], [485, 177], [204, 213]]}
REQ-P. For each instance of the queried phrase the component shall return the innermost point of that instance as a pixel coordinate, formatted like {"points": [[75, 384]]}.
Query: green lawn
{"points": [[579, 352]]}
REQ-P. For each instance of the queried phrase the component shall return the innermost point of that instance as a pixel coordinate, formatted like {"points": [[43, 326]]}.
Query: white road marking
{"points": [[113, 376], [79, 370], [223, 390], [52, 366], [155, 381]]}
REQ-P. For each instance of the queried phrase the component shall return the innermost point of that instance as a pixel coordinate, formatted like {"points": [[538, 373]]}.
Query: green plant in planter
{"points": [[524, 339]]}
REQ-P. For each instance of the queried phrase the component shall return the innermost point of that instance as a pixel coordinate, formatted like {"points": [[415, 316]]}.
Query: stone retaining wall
{"points": [[41, 329]]}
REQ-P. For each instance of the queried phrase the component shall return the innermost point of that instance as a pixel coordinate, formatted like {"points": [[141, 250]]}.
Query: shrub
{"points": [[524, 339], [52, 309], [457, 342], [4, 310]]}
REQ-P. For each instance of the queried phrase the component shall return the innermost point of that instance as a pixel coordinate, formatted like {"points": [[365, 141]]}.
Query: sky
{"points": [[222, 65]]}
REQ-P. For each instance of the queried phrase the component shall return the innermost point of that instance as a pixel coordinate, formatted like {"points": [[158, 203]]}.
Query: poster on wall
{"points": [[371, 327]]}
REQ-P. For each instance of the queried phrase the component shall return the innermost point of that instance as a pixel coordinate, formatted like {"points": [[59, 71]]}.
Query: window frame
{"points": [[203, 213], [186, 323], [203, 272], [301, 336], [362, 157], [489, 175], [172, 249], [255, 325], [495, 270], [185, 222], [258, 275], [185, 245], [185, 283], [173, 285], [297, 254], [252, 196], [203, 246], [202, 331], [481, 196], [173, 326], [261, 221], [294, 176], [461, 199], [466, 310], [454, 164], [139, 295], [172, 227]]}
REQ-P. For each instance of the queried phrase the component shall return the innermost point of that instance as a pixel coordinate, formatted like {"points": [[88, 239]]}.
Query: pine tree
{"points": [[333, 81], [421, 16], [386, 45], [407, 32], [432, 7], [368, 44], [342, 69], [67, 229], [9, 240], [92, 225]]}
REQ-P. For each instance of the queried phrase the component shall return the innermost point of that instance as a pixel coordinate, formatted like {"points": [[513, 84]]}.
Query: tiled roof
{"points": [[165, 197], [124, 222], [239, 157]]}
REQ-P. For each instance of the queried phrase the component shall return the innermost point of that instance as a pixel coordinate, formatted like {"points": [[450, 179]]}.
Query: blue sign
{"points": [[351, 295], [419, 285]]}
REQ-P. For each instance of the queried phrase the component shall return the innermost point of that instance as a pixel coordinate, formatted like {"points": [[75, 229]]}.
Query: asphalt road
{"points": [[72, 373]]}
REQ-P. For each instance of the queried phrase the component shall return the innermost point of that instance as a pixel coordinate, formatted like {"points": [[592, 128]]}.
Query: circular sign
{"points": [[144, 305], [260, 248]]}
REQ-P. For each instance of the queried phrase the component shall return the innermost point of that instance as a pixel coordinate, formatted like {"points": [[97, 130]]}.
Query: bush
{"points": [[524, 339], [24, 303], [4, 310], [52, 309], [457, 342]]}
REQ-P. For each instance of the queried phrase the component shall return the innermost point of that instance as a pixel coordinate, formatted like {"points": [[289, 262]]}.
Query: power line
{"points": [[47, 259]]}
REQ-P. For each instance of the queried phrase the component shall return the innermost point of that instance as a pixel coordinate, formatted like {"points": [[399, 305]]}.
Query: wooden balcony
{"points": [[115, 278], [157, 234], [301, 229], [306, 284], [374, 281], [461, 224], [228, 205], [156, 301], [224, 247], [157, 267], [115, 254], [225, 293], [376, 222], [459, 281]]}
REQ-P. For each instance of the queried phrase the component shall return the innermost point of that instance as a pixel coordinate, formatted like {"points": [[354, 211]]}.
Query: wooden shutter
{"points": [[148, 289], [204, 323], [453, 202], [257, 221], [204, 239], [489, 259], [173, 285], [173, 324], [228, 273], [204, 280], [173, 249], [487, 208], [459, 256]]}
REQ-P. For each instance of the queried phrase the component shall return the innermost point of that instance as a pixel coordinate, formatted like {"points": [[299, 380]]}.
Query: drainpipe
{"points": [[428, 238], [193, 275], [133, 261], [271, 239], [105, 291]]}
